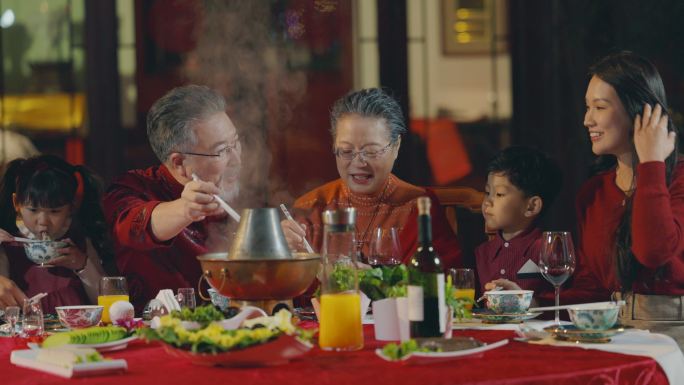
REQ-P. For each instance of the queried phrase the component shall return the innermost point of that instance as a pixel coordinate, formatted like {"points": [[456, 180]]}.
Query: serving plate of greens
{"points": [[278, 351], [261, 341], [434, 350], [101, 338]]}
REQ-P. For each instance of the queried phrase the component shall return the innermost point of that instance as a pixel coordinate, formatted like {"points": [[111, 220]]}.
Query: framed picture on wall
{"points": [[474, 26]]}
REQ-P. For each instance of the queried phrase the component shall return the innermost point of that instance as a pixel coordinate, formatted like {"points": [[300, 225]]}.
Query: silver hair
{"points": [[170, 120], [370, 103]]}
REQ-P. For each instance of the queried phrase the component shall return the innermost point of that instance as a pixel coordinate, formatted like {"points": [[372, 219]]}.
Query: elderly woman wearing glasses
{"points": [[159, 216], [366, 128]]}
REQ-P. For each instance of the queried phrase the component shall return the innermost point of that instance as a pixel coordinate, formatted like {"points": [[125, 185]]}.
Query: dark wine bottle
{"points": [[426, 302]]}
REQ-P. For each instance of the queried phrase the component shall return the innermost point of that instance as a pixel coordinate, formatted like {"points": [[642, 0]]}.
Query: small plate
{"points": [[27, 359], [421, 358], [103, 347], [305, 313], [494, 318], [573, 334], [51, 323]]}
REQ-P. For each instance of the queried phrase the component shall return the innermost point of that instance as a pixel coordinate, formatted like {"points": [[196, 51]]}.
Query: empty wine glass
{"points": [[33, 324], [12, 317], [186, 297], [385, 249], [557, 260]]}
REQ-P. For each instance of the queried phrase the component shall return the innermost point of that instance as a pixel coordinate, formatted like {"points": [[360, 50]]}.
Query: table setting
{"points": [[234, 331]]}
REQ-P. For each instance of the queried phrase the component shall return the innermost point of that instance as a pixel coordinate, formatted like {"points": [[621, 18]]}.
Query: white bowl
{"points": [[77, 317], [509, 301], [41, 252], [594, 317]]}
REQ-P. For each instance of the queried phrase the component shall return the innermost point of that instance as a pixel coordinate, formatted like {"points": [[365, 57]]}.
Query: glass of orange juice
{"points": [[464, 284], [340, 314], [112, 289]]}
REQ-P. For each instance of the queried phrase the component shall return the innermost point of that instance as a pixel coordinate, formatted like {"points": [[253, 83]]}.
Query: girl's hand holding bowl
{"points": [[70, 256]]}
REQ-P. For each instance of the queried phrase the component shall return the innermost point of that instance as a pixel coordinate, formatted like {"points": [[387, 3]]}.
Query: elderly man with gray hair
{"points": [[160, 216]]}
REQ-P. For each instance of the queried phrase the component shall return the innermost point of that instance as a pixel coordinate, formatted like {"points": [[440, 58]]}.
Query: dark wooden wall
{"points": [[553, 43]]}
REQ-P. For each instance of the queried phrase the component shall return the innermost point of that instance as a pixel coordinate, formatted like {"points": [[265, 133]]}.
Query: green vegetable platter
{"points": [[101, 338], [260, 341]]}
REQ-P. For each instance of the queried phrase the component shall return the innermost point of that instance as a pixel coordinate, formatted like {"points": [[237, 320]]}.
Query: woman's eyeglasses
{"points": [[364, 154]]}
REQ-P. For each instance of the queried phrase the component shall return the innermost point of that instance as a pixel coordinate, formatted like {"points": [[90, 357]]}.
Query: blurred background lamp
{"points": [[7, 19]]}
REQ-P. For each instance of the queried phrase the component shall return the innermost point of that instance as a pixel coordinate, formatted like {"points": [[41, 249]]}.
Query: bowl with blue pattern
{"points": [[43, 252], [509, 301], [599, 316]]}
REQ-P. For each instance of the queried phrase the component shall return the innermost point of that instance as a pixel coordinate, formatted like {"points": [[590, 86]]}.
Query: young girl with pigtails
{"points": [[45, 197]]}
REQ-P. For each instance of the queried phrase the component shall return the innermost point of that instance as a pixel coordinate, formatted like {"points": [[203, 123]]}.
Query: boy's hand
{"points": [[506, 284]]}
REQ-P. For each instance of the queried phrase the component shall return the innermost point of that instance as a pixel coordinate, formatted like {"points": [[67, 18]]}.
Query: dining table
{"points": [[516, 362]]}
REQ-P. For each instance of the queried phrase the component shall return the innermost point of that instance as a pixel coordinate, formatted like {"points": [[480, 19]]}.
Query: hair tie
{"points": [[78, 196]]}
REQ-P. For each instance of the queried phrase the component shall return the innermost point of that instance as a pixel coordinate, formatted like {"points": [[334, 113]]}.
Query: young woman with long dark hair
{"points": [[631, 212]]}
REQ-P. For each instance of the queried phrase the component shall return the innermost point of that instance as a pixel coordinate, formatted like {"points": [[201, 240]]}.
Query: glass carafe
{"points": [[340, 323]]}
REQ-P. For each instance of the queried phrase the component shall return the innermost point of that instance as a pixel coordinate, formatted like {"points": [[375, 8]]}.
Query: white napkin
{"points": [[529, 270], [169, 301], [663, 349]]}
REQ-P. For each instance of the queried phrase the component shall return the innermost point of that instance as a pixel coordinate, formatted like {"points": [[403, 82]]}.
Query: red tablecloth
{"points": [[515, 363]]}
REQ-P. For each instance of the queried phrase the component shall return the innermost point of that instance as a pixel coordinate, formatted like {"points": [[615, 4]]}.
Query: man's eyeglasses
{"points": [[222, 153], [364, 154]]}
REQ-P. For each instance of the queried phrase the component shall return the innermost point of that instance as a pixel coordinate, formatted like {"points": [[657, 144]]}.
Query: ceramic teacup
{"points": [[594, 317], [509, 301]]}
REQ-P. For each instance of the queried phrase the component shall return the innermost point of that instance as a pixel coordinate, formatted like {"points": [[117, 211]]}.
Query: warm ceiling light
{"points": [[7, 19], [461, 26], [464, 37]]}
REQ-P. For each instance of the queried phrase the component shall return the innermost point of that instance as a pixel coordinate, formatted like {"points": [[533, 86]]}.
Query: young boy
{"points": [[521, 185]]}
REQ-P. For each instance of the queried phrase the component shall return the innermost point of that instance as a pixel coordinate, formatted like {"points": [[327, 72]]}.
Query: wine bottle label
{"points": [[415, 303], [441, 300]]}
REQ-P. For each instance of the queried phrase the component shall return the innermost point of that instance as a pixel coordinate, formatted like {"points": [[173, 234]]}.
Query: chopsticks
{"points": [[25, 240], [289, 218], [233, 214], [563, 307], [37, 297]]}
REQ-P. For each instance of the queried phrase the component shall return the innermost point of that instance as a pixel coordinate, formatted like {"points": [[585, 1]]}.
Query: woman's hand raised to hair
{"points": [[651, 139], [70, 257], [10, 294], [294, 234]]}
